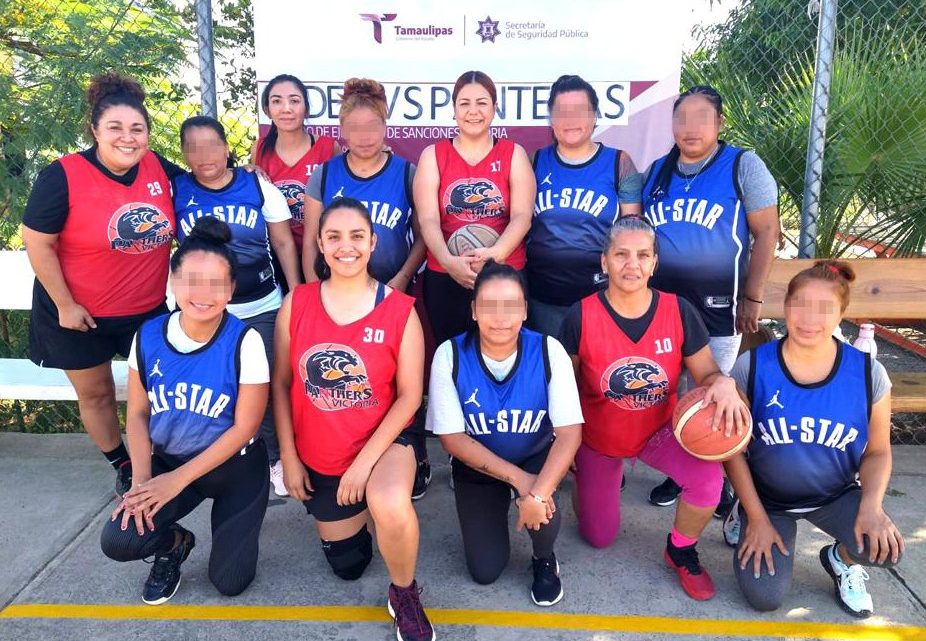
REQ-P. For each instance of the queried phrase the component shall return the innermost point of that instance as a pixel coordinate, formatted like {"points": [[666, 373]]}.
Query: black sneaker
{"points": [[422, 479], [411, 623], [727, 499], [546, 589], [164, 578], [124, 479], [665, 494]]}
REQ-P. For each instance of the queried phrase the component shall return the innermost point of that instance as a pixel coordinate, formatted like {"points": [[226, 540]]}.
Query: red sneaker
{"points": [[695, 580]]}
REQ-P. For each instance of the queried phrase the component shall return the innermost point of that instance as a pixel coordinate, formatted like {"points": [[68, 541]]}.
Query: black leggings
{"points": [[239, 488], [482, 507], [448, 305]]}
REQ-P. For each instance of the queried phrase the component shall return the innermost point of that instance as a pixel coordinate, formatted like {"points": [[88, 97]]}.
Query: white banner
{"points": [[629, 50]]}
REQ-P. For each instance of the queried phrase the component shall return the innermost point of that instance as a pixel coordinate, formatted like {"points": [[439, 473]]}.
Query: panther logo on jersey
{"points": [[294, 191], [335, 378], [137, 228], [473, 199], [635, 383]]}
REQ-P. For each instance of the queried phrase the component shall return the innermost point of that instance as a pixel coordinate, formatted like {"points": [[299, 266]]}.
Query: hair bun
{"points": [[211, 229], [838, 268], [364, 87], [111, 84]]}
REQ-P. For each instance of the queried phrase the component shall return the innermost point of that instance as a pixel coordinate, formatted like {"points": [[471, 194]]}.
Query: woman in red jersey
{"points": [[98, 228], [347, 379], [475, 197], [288, 153], [628, 345]]}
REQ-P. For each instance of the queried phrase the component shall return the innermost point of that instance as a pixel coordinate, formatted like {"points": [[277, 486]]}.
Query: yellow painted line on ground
{"points": [[482, 618]]}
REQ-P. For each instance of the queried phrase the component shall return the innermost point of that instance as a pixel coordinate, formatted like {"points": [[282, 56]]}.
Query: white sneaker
{"points": [[849, 582], [732, 526], [276, 479]]}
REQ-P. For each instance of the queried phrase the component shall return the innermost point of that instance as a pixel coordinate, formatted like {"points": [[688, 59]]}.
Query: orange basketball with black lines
{"points": [[691, 423]]}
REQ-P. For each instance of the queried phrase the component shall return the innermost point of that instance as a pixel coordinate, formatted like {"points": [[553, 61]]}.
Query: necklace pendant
{"points": [[687, 187]]}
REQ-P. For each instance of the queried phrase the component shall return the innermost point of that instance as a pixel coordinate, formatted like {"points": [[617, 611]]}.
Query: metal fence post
{"points": [[816, 138], [206, 57]]}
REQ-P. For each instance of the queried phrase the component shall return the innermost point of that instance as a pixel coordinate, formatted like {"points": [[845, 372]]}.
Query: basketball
{"points": [[691, 423], [471, 237]]}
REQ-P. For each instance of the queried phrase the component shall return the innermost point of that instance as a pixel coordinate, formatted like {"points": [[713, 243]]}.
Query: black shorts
{"points": [[51, 345], [323, 504]]}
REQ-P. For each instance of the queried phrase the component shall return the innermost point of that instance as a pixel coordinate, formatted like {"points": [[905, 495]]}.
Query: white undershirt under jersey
{"points": [[275, 210], [445, 414], [254, 367]]}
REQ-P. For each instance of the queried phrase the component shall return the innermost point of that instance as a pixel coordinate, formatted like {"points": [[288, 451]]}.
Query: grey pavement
{"points": [[57, 491]]}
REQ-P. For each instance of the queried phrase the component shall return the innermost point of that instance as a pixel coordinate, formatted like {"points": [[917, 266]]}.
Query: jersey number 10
{"points": [[663, 345]]}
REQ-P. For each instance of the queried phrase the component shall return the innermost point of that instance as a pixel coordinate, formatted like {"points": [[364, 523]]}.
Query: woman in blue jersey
{"points": [[382, 181], [582, 187], [259, 219], [506, 427], [379, 179], [715, 210], [820, 451], [198, 386]]}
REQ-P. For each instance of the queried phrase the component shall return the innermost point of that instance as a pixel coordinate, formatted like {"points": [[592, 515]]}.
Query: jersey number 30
{"points": [[371, 335]]}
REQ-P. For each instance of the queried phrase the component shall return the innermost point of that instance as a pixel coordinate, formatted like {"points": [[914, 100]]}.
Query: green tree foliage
{"points": [[49, 50], [762, 61]]}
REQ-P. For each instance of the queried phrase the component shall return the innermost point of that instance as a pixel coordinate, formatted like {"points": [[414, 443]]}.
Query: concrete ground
{"points": [[56, 584]]}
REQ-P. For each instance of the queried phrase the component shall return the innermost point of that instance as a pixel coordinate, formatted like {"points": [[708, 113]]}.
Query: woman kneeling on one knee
{"points": [[198, 386], [347, 378], [629, 344], [821, 450], [504, 402]]}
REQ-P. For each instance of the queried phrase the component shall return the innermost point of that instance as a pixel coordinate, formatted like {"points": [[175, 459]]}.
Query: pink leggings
{"points": [[598, 483]]}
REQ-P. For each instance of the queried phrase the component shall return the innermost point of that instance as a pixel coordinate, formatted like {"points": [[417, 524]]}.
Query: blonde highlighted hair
{"points": [[363, 92]]}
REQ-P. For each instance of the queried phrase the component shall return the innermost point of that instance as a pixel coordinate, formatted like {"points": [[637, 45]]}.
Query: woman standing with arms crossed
{"points": [[382, 181], [347, 380], [473, 187], [503, 400], [288, 153], [259, 218], [821, 450], [582, 187], [715, 210], [98, 228]]}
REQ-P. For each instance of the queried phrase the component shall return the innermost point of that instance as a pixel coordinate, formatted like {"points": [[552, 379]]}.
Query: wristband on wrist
{"points": [[538, 499]]}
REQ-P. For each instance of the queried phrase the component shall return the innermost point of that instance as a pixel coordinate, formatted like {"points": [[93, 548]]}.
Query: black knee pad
{"points": [[349, 557]]}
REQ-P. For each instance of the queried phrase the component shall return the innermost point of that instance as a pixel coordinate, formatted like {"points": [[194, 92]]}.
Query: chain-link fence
{"points": [[867, 187]]}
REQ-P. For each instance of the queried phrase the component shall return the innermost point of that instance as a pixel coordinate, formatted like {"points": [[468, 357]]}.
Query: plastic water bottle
{"points": [[866, 340]]}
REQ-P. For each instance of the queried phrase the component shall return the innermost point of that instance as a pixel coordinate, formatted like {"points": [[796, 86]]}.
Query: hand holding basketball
{"points": [[731, 412], [698, 417], [461, 270]]}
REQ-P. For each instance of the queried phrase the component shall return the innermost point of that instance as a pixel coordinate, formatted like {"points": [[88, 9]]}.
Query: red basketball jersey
{"points": [[343, 376], [115, 244], [292, 180], [628, 390], [475, 194]]}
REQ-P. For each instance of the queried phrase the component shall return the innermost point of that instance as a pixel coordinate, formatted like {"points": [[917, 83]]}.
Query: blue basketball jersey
{"points": [[191, 396], [239, 204], [386, 195], [808, 440], [575, 207], [510, 417], [703, 237]]}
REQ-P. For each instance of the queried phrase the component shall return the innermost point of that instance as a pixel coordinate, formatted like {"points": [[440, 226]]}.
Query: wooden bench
{"points": [[19, 377], [884, 289]]}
